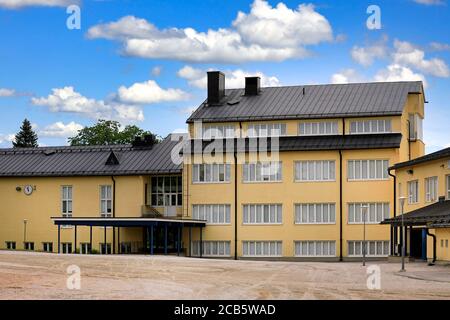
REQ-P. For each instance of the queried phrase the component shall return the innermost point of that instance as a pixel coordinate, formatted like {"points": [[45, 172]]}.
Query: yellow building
{"points": [[425, 184], [268, 173]]}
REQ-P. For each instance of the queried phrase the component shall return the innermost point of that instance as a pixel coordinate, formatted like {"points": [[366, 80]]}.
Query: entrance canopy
{"points": [[128, 222], [436, 215]]}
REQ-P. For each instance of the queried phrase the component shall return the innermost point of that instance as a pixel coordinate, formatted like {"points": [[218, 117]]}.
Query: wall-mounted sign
{"points": [[28, 190]]}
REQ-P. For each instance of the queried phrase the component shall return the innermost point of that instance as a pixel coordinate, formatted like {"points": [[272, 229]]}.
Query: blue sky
{"points": [[144, 62]]}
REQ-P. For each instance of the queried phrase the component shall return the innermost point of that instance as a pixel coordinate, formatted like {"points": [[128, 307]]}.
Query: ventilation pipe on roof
{"points": [[216, 86], [252, 86]]}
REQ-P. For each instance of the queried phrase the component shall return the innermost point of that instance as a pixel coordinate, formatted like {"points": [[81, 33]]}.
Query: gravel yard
{"points": [[29, 275]]}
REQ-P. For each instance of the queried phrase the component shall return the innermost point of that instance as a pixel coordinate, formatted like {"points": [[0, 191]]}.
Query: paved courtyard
{"points": [[29, 275]]}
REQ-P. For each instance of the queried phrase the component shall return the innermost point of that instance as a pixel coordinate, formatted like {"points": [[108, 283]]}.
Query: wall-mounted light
{"points": [[18, 189], [410, 171]]}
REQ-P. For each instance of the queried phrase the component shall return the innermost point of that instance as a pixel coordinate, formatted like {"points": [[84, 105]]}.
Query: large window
{"points": [[212, 213], [368, 169], [218, 131], [106, 201], [66, 201], [448, 187], [262, 172], [413, 191], [315, 170], [311, 213], [375, 212], [315, 248], [262, 214], [373, 248], [415, 127], [166, 191], [266, 130], [262, 249], [317, 128], [211, 172], [431, 189], [211, 248], [371, 126]]}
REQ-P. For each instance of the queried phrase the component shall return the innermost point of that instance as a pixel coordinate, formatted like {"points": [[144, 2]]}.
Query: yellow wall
{"points": [[439, 168], [45, 202]]}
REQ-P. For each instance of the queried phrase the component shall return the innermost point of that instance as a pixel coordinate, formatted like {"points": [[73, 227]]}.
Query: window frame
{"points": [[249, 167], [364, 167], [334, 128], [67, 200], [212, 206], [411, 196], [106, 200], [254, 130], [360, 221], [298, 213], [196, 175], [300, 164], [431, 187], [384, 244], [299, 253], [211, 244], [45, 246], [361, 124], [260, 207], [270, 243]]}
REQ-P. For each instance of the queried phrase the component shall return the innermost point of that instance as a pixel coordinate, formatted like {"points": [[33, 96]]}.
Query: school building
{"points": [[292, 173]]}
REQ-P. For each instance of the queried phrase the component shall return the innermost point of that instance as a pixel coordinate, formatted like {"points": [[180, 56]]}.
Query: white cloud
{"points": [[407, 54], [60, 130], [16, 4], [156, 71], [430, 2], [282, 27], [437, 46], [68, 100], [149, 92], [264, 34], [366, 55], [233, 78], [4, 92], [346, 76], [6, 137], [395, 72]]}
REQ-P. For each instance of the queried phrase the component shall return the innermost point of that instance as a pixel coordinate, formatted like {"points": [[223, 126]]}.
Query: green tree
{"points": [[26, 137], [107, 132]]}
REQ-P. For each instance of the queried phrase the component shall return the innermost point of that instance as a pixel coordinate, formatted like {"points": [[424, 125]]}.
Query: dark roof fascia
{"points": [[90, 174]]}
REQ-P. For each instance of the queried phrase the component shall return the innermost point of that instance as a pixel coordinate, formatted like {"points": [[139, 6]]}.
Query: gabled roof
{"points": [[310, 101], [88, 160], [434, 214], [441, 154], [307, 143]]}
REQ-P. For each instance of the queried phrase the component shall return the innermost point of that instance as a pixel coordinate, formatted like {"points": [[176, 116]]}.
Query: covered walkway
{"points": [[150, 226]]}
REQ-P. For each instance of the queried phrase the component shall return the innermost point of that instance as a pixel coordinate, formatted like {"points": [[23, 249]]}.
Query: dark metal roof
{"points": [[307, 143], [441, 154], [310, 101], [434, 214], [88, 160]]}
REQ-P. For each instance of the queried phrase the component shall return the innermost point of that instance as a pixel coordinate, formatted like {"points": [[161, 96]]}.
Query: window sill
{"points": [[314, 223], [262, 224], [261, 182], [313, 181]]}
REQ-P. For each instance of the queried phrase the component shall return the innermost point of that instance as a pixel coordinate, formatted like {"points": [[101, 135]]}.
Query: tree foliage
{"points": [[26, 137], [108, 132]]}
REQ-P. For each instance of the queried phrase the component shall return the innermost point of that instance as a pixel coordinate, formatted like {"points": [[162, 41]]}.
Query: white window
{"points": [[211, 173], [315, 170], [413, 191], [372, 248], [105, 248], [211, 248], [262, 214], [105, 201], [66, 201], [218, 131], [315, 213], [448, 187], [371, 126], [368, 169], [11, 245], [375, 213], [166, 191], [415, 127], [266, 130], [29, 246], [317, 128], [85, 248], [431, 189], [262, 249], [315, 248], [66, 247], [262, 171], [47, 246], [212, 213]]}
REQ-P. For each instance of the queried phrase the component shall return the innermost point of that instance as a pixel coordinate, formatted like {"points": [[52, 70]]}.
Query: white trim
{"points": [[330, 243]]}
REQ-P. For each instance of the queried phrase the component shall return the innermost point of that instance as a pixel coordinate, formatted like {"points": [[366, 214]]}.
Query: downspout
{"points": [[114, 197], [394, 230], [235, 196], [340, 197], [409, 139], [434, 246]]}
